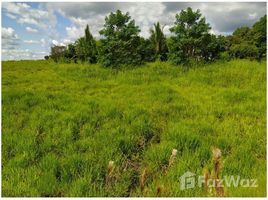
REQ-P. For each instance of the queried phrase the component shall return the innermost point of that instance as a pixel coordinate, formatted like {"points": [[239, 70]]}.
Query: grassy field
{"points": [[83, 130]]}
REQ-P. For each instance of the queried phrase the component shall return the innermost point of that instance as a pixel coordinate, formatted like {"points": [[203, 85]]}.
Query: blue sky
{"points": [[30, 29]]}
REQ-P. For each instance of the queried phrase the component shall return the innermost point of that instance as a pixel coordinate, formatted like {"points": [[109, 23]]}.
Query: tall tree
{"points": [[85, 47], [120, 43], [191, 34], [90, 47], [158, 39]]}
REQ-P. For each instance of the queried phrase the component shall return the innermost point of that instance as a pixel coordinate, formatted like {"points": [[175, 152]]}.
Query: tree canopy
{"points": [[121, 41], [191, 40]]}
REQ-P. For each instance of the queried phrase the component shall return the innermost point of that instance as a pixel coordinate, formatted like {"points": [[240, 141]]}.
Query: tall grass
{"points": [[82, 130]]}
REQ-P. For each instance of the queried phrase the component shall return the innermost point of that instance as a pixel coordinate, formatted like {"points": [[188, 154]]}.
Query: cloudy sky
{"points": [[29, 29]]}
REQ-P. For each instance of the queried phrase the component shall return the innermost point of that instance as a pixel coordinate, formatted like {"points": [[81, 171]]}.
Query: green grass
{"points": [[63, 123]]}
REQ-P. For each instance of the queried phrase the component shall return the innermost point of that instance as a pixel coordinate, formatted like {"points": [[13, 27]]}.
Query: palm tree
{"points": [[158, 40]]}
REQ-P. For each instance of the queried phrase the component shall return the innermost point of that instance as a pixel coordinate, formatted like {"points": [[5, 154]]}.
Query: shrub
{"points": [[244, 50]]}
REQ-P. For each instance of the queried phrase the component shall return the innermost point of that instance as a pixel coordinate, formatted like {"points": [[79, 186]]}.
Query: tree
{"points": [[46, 57], [90, 47], [211, 49], [242, 34], [259, 36], [159, 42], [191, 36], [147, 50], [85, 47], [80, 49], [244, 50], [120, 43], [70, 53], [248, 42], [57, 52]]}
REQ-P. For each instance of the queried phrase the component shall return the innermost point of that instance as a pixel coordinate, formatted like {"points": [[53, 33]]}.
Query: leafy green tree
{"points": [[90, 47], [57, 53], [242, 34], [191, 35], [248, 42], [147, 50], [159, 42], [211, 49], [241, 44], [80, 49], [70, 53], [244, 50], [85, 48], [259, 36], [120, 43]]}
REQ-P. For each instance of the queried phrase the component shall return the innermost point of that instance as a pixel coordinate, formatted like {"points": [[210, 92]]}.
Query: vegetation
{"points": [[159, 42], [57, 53], [192, 38], [133, 114], [83, 130], [86, 48], [121, 41], [248, 42], [191, 42]]}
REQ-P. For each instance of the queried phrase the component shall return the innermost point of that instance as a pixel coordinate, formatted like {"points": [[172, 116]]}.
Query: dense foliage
{"points": [[191, 41], [121, 41], [191, 37], [159, 42], [248, 42]]}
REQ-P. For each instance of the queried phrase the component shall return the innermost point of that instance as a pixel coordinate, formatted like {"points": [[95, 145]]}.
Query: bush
{"points": [[225, 56], [46, 57]]}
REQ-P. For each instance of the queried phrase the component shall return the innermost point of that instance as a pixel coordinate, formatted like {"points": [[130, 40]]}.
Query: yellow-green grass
{"points": [[63, 123]]}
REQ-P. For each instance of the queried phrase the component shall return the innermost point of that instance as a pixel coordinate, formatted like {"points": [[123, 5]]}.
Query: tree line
{"points": [[190, 42]]}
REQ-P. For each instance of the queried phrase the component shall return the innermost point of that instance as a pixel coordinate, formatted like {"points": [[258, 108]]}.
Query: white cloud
{"points": [[146, 14], [66, 42], [43, 42], [11, 16], [31, 41], [21, 54], [56, 43], [41, 18], [9, 38], [224, 17], [31, 30], [8, 33], [28, 15], [73, 32], [93, 14]]}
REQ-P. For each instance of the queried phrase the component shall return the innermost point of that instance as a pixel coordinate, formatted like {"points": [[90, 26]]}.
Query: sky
{"points": [[30, 29]]}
